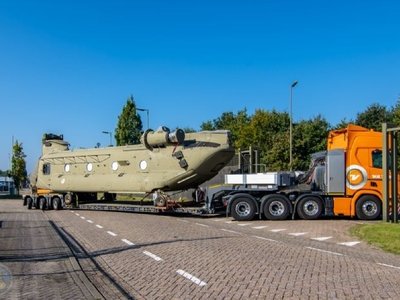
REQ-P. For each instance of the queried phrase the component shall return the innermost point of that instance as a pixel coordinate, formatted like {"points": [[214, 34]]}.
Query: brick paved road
{"points": [[162, 257]]}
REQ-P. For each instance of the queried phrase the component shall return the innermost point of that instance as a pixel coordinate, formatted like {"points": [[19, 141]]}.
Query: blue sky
{"points": [[69, 66]]}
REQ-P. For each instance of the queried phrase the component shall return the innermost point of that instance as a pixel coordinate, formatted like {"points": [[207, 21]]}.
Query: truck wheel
{"points": [[276, 208], [25, 201], [309, 208], [243, 209], [37, 203], [29, 202], [56, 203], [42, 203], [368, 208]]}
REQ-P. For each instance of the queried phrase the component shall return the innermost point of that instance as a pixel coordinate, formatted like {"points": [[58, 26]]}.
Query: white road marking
{"points": [[83, 218], [99, 226], [72, 211], [153, 256], [128, 242], [204, 225], [322, 238], [89, 221], [111, 233], [324, 251], [277, 230], [78, 215], [390, 266], [349, 244], [231, 231], [229, 222], [184, 221], [259, 227], [191, 278], [218, 220], [265, 239], [243, 224], [298, 233]]}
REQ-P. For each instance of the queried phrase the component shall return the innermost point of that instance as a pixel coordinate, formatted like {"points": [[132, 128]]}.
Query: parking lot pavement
{"points": [[145, 256], [154, 256], [35, 262]]}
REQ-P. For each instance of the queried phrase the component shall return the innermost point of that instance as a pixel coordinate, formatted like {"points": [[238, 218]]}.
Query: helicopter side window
{"points": [[46, 169]]}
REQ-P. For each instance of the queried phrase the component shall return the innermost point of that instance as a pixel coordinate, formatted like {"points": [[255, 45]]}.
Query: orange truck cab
{"points": [[354, 178]]}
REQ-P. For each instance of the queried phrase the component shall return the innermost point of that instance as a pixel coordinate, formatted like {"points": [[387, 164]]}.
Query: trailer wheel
{"points": [[243, 209], [276, 208], [42, 203], [368, 207], [29, 202], [56, 203], [310, 208], [37, 203]]}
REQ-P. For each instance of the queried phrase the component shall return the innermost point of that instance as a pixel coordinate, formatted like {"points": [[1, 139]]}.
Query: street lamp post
{"points": [[147, 112], [110, 133], [291, 124]]}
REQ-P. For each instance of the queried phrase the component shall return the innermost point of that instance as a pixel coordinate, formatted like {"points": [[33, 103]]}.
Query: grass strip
{"points": [[383, 235]]}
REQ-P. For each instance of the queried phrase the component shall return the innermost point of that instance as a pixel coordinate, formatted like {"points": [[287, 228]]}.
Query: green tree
{"points": [[343, 124], [129, 127], [18, 166], [309, 136], [395, 113], [4, 173], [267, 132], [229, 121], [189, 129], [374, 116]]}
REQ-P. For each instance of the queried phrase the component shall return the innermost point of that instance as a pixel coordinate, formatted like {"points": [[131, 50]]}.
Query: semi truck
{"points": [[344, 180]]}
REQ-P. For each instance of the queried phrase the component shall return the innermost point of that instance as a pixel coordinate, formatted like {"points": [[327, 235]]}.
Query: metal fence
{"points": [[390, 176]]}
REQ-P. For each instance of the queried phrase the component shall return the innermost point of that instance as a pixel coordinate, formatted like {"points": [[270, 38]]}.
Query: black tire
{"points": [[276, 208], [310, 208], [243, 209], [368, 208], [25, 201], [29, 202], [56, 203], [42, 203]]}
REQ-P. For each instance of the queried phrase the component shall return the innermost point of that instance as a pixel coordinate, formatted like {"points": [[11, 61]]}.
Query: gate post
{"points": [[385, 174]]}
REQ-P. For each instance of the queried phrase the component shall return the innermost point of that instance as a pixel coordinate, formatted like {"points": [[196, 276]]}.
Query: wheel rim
{"points": [[369, 208], [310, 208], [276, 208], [243, 209], [55, 204]]}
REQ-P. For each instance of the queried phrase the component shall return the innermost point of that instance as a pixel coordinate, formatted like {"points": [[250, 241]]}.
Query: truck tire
{"points": [[243, 209], [368, 207], [309, 208], [25, 201], [276, 208], [29, 202], [42, 203], [56, 203]]}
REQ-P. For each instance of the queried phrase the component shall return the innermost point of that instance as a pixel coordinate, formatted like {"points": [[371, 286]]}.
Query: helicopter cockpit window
{"points": [[46, 169]]}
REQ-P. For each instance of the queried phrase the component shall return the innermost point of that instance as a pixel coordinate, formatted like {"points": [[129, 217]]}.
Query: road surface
{"points": [[94, 255]]}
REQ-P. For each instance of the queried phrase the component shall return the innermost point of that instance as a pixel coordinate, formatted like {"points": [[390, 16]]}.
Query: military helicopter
{"points": [[164, 161]]}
